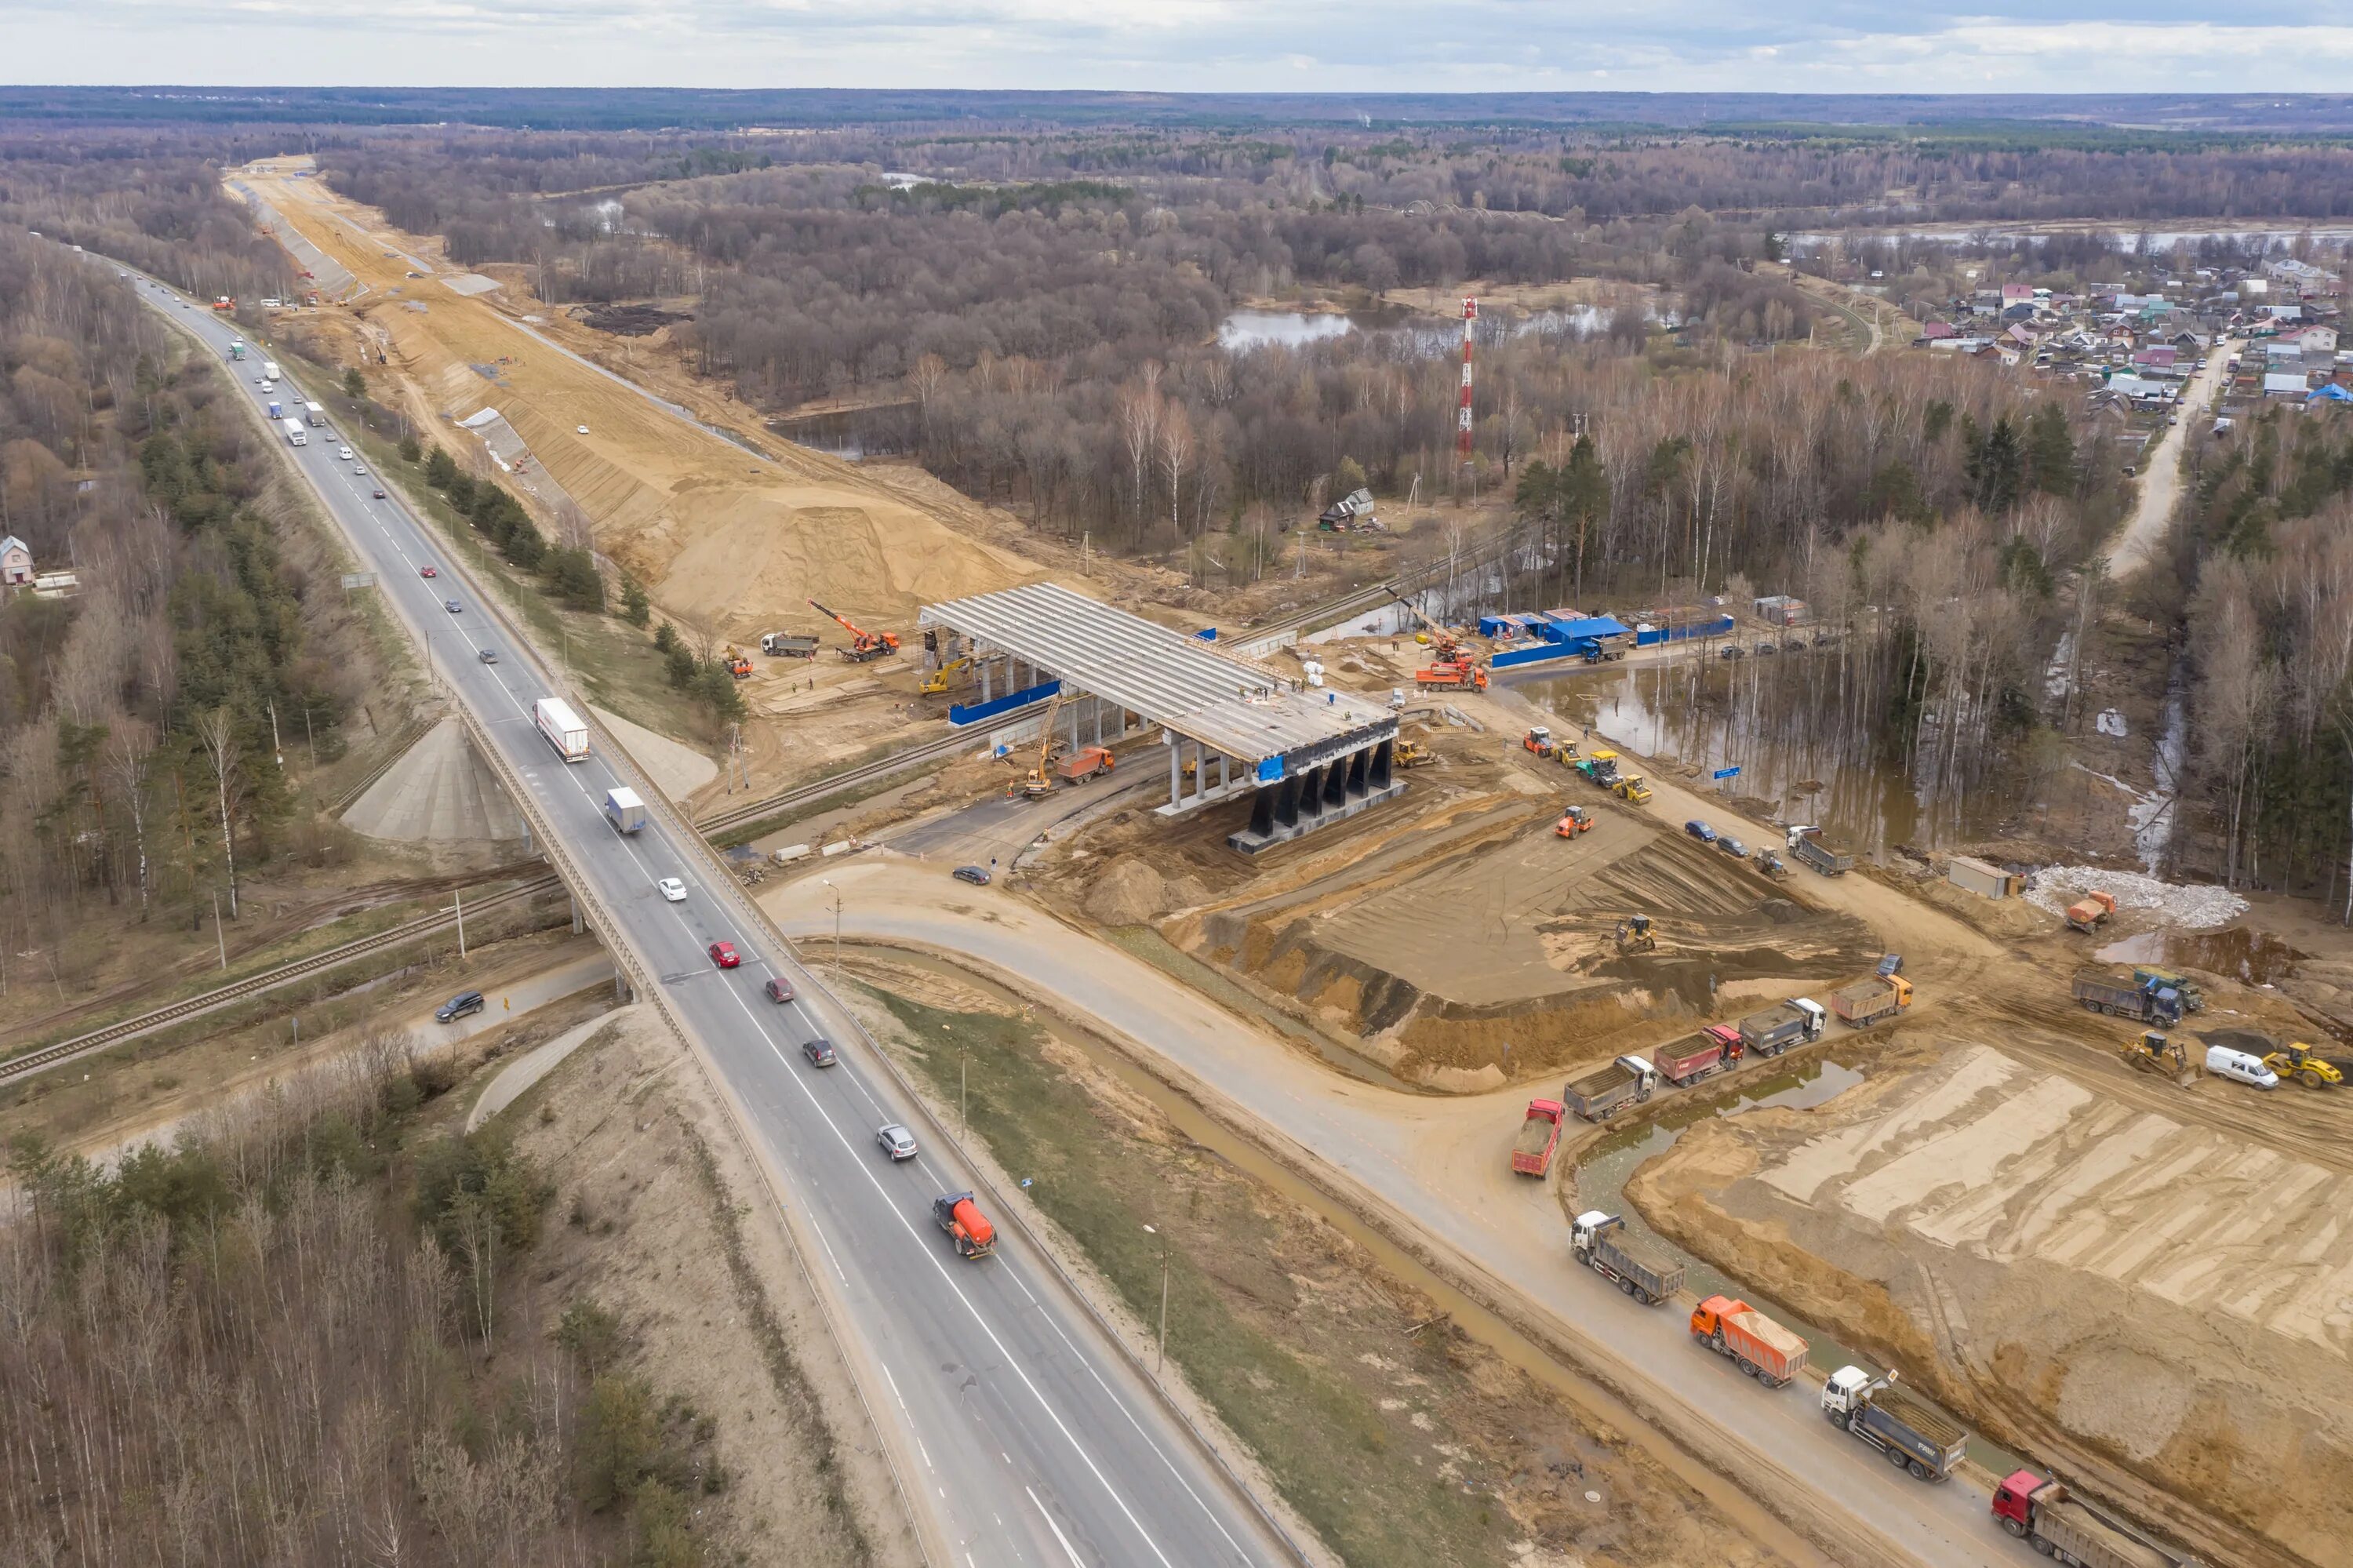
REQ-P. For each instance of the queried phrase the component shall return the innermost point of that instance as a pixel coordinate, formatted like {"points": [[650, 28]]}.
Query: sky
{"points": [[1284, 46]]}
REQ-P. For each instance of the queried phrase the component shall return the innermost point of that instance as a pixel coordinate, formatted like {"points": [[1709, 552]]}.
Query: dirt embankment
{"points": [[2142, 1299]]}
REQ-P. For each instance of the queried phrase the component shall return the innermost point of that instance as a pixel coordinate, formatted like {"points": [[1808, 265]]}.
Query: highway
{"points": [[1021, 1432]]}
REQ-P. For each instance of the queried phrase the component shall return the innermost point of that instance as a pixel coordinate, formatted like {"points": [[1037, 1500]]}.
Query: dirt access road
{"points": [[2161, 471], [1434, 1164]]}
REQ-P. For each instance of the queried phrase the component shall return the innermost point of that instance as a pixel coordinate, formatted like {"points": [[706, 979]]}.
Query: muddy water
{"points": [[1709, 713], [2251, 957], [1474, 1319], [1600, 1180]]}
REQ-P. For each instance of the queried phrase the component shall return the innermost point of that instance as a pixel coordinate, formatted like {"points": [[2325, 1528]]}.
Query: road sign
{"points": [[1727, 773], [358, 580]]}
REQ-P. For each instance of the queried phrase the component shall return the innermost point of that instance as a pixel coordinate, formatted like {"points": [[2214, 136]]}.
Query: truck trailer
{"points": [[314, 416], [1760, 1347], [269, 370], [2147, 1002], [562, 728], [1775, 1030], [1601, 1243], [1866, 1002], [1602, 1093], [2043, 1514], [624, 809], [1915, 1437], [296, 436], [1540, 1136]]}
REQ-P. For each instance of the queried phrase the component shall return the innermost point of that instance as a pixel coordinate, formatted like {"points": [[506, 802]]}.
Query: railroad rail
{"points": [[64, 1051]]}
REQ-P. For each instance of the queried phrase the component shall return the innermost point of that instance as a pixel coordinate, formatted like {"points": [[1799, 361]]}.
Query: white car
{"points": [[360, 469], [672, 889], [896, 1141], [344, 453]]}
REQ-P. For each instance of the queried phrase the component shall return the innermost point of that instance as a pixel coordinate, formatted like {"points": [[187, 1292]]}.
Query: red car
{"points": [[723, 954], [427, 572]]}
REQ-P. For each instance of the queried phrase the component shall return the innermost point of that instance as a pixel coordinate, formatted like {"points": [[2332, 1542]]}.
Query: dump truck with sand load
{"points": [[1805, 843], [1602, 1093], [2147, 1002], [2090, 912], [1601, 1243], [1794, 1022], [1539, 1136], [788, 645], [1915, 1437], [2193, 995], [1867, 1002], [2057, 1524], [1760, 1347], [1694, 1056]]}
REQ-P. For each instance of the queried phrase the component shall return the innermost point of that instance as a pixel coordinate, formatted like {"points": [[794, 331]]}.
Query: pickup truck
{"points": [[1602, 1093], [1866, 1002], [1775, 1030], [1601, 1243], [1540, 1136]]}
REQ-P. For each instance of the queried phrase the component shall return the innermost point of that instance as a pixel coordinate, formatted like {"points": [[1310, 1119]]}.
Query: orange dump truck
{"points": [[2087, 913], [1764, 1350], [1083, 763], [958, 1214]]}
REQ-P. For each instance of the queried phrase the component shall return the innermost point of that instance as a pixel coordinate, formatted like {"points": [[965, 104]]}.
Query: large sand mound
{"points": [[439, 792], [2161, 1309]]}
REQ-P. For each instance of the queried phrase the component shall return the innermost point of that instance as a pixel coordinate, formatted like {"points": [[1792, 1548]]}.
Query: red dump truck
{"points": [[1694, 1056], [1540, 1136], [2043, 1514], [1602, 1093], [958, 1214], [1763, 1349], [1866, 1002]]}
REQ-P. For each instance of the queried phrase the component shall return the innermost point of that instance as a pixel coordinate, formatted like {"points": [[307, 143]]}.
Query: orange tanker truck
{"points": [[958, 1214]]}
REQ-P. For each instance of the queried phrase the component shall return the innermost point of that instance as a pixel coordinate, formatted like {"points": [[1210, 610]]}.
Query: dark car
{"points": [[819, 1052], [379, 493], [1766, 647], [724, 955], [779, 990], [464, 1003], [1700, 831], [488, 655], [976, 874], [1890, 966], [1730, 651], [452, 606], [1733, 847]]}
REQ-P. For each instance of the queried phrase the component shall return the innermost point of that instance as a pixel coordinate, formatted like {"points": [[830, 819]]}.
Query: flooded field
{"points": [[1755, 715], [2251, 957]]}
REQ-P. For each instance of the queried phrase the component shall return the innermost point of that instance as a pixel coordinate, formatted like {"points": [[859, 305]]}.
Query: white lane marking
{"points": [[1075, 1560], [895, 1391], [926, 1453], [833, 1260]]}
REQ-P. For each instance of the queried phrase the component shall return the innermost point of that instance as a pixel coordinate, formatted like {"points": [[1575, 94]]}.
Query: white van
{"points": [[2225, 1063]]}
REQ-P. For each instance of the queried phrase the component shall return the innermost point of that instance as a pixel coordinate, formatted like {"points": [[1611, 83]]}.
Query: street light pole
{"points": [[457, 907], [836, 923], [1161, 1363]]}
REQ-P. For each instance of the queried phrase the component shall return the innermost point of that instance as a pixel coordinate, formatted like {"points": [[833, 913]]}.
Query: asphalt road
{"points": [[1021, 1429]]}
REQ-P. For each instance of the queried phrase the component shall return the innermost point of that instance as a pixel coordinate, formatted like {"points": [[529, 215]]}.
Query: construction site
{"points": [[2069, 1181]]}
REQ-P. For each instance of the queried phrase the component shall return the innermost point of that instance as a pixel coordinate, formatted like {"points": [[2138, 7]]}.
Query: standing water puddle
{"points": [[2251, 957], [1601, 1181]]}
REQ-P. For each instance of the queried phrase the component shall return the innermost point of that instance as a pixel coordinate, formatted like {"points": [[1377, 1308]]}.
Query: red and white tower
{"points": [[1462, 417]]}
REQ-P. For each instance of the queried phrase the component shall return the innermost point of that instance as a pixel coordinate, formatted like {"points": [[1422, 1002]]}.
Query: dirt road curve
{"points": [[1434, 1162], [2161, 471]]}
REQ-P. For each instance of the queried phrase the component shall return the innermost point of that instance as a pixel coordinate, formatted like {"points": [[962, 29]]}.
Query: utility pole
{"points": [[218, 936], [1161, 1363], [837, 922], [457, 907]]}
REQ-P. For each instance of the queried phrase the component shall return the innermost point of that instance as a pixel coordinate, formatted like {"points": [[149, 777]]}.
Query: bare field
{"points": [[2159, 1302]]}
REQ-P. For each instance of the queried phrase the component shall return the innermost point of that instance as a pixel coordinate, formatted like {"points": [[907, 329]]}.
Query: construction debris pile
{"points": [[2189, 906]]}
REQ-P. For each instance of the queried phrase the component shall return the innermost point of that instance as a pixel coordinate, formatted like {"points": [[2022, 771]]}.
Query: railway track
{"points": [[64, 1051]]}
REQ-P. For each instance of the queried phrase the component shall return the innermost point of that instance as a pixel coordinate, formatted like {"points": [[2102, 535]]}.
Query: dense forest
{"points": [[139, 720]]}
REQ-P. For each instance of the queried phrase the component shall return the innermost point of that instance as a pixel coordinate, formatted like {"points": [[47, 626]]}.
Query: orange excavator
{"points": [[865, 646]]}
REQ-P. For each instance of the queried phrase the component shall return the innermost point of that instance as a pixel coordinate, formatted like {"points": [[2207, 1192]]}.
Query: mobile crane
{"points": [[1037, 784], [865, 646], [1443, 642]]}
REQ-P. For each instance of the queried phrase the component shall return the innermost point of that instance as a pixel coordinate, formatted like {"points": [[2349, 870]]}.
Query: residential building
{"points": [[16, 563]]}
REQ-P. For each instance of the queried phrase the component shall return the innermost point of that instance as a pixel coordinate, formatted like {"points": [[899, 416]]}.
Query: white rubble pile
{"points": [[2193, 906]]}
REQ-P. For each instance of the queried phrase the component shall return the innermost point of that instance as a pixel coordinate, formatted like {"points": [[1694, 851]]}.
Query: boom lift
{"points": [[865, 646]]}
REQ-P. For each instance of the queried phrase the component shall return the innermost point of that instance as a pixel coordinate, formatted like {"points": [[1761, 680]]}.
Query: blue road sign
{"points": [[1727, 772]]}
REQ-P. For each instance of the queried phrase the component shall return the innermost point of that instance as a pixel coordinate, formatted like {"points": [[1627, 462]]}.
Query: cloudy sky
{"points": [[1813, 46]]}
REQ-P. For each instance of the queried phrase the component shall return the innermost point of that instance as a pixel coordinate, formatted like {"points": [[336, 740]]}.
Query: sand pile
{"points": [[2159, 1308], [1127, 893]]}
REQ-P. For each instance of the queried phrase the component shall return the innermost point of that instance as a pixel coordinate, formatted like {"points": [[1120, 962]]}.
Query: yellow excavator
{"points": [[1037, 784], [936, 683]]}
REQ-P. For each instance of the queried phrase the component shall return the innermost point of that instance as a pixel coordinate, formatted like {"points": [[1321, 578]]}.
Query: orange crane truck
{"points": [[864, 646], [1539, 1136]]}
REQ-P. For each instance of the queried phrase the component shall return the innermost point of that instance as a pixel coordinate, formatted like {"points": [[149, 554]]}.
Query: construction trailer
{"points": [[1986, 881]]}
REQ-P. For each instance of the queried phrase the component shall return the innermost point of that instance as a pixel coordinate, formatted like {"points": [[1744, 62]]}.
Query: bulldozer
{"points": [[2153, 1053], [2313, 1072], [935, 685], [1411, 753], [1635, 935]]}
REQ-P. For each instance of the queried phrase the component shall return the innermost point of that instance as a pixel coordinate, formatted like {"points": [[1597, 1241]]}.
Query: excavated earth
{"points": [[2149, 1287]]}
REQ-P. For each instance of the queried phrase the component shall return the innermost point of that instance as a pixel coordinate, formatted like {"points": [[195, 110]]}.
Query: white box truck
{"points": [[295, 434], [315, 414], [269, 370], [562, 728], [625, 810]]}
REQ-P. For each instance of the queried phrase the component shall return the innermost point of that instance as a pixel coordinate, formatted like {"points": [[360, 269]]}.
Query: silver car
{"points": [[896, 1141]]}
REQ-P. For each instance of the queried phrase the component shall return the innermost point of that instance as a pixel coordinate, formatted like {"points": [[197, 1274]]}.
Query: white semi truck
{"points": [[561, 727]]}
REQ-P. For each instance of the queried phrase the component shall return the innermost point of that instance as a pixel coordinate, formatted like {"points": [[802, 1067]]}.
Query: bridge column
{"points": [[1383, 755], [1263, 808], [1175, 774]]}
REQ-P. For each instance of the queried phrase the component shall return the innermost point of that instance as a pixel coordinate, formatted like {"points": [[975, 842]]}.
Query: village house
{"points": [[16, 563]]}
